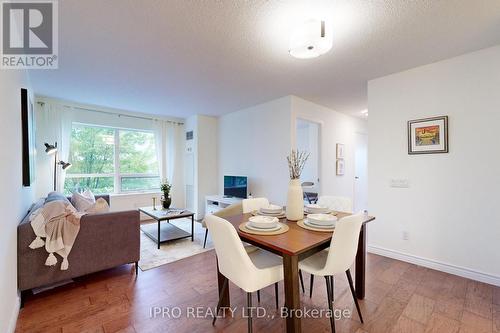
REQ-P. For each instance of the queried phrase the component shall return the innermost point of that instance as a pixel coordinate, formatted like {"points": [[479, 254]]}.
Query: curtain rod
{"points": [[117, 114]]}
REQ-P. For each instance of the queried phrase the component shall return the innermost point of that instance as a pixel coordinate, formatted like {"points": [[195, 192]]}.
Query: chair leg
{"points": [[301, 281], [351, 286], [205, 241], [332, 289], [223, 290], [249, 311], [136, 269], [311, 284], [330, 301], [258, 296], [276, 294]]}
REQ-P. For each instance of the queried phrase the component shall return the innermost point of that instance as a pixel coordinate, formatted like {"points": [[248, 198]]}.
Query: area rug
{"points": [[152, 257]]}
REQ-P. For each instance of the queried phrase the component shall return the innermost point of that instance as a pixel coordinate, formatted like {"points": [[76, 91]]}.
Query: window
{"points": [[111, 160]]}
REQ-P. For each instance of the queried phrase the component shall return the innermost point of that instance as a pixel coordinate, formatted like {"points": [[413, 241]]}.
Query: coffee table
{"points": [[164, 232]]}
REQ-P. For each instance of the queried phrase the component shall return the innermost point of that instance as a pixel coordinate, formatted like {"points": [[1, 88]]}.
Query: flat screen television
{"points": [[235, 186]]}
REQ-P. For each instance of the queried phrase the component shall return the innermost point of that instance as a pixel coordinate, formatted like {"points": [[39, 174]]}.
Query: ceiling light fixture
{"points": [[310, 39]]}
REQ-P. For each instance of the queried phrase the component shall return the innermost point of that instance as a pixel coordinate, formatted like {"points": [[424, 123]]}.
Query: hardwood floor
{"points": [[400, 297]]}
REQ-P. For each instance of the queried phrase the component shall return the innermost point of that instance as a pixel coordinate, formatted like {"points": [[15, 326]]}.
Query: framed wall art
{"points": [[428, 136], [28, 138], [340, 167], [340, 150]]}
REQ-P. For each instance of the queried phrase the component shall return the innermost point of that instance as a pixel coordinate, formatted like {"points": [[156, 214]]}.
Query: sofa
{"points": [[105, 240]]}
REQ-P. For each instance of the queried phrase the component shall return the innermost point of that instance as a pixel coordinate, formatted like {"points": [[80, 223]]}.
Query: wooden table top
{"points": [[161, 214], [294, 242]]}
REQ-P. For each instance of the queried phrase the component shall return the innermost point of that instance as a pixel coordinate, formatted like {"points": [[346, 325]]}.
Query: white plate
{"points": [[322, 219], [270, 214], [317, 212], [272, 209], [307, 222], [316, 209], [263, 222], [276, 228]]}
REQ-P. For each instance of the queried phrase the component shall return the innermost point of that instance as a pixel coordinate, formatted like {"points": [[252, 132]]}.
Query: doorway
{"points": [[361, 172], [307, 138]]}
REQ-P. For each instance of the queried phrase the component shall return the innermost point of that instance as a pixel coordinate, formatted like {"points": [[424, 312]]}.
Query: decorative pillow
{"points": [[100, 206], [83, 201], [53, 196]]}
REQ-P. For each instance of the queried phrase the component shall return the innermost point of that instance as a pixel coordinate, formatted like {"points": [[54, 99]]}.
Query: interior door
{"points": [[308, 139], [361, 172]]}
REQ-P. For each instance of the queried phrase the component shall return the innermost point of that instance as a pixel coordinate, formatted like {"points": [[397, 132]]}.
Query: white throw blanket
{"points": [[59, 223]]}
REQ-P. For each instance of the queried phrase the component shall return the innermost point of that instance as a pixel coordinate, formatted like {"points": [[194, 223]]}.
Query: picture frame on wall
{"points": [[340, 167], [28, 138], [428, 135], [340, 150]]}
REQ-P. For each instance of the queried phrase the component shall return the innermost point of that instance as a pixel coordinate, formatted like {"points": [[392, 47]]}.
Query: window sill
{"points": [[131, 194]]}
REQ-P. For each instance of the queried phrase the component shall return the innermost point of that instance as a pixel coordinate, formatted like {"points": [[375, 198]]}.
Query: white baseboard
{"points": [[15, 313], [433, 264]]}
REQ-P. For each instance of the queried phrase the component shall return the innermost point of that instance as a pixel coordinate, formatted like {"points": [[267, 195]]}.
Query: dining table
{"points": [[294, 245]]}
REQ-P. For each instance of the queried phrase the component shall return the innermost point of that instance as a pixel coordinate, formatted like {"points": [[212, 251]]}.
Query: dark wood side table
{"points": [[164, 232]]}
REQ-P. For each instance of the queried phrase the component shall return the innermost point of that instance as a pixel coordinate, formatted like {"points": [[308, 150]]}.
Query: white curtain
{"points": [[53, 124], [170, 155]]}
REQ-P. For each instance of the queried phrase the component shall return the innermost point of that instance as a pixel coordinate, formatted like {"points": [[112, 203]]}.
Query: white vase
{"points": [[295, 201]]}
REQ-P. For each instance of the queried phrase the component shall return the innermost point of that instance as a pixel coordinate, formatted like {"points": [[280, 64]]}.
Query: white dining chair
{"points": [[231, 210], [253, 204], [338, 259], [250, 205], [250, 271], [337, 203]]}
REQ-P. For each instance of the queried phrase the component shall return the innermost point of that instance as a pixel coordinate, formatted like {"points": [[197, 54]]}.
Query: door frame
{"points": [[320, 124]]}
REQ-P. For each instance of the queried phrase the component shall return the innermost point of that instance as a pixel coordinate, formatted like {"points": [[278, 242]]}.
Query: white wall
{"points": [[201, 162], [450, 209], [14, 198], [335, 128], [254, 142]]}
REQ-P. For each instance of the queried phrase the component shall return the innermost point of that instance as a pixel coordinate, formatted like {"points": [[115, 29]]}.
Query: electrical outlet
{"points": [[406, 235]]}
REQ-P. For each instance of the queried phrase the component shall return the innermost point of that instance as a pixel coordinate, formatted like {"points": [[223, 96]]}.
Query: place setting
{"points": [[263, 225], [317, 209], [271, 210], [319, 222]]}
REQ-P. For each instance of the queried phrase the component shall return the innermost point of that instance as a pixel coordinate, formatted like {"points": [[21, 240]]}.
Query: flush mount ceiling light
{"points": [[310, 39]]}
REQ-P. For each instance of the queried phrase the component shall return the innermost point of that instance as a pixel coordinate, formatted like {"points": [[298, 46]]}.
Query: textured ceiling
{"points": [[185, 57]]}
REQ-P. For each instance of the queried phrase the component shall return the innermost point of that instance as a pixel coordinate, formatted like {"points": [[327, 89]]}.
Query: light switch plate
{"points": [[400, 183]]}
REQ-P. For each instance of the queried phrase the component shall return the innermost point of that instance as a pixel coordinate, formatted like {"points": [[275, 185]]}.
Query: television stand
{"points": [[214, 203]]}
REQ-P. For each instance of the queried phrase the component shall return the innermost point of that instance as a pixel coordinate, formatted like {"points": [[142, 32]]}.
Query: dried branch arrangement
{"points": [[296, 161]]}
